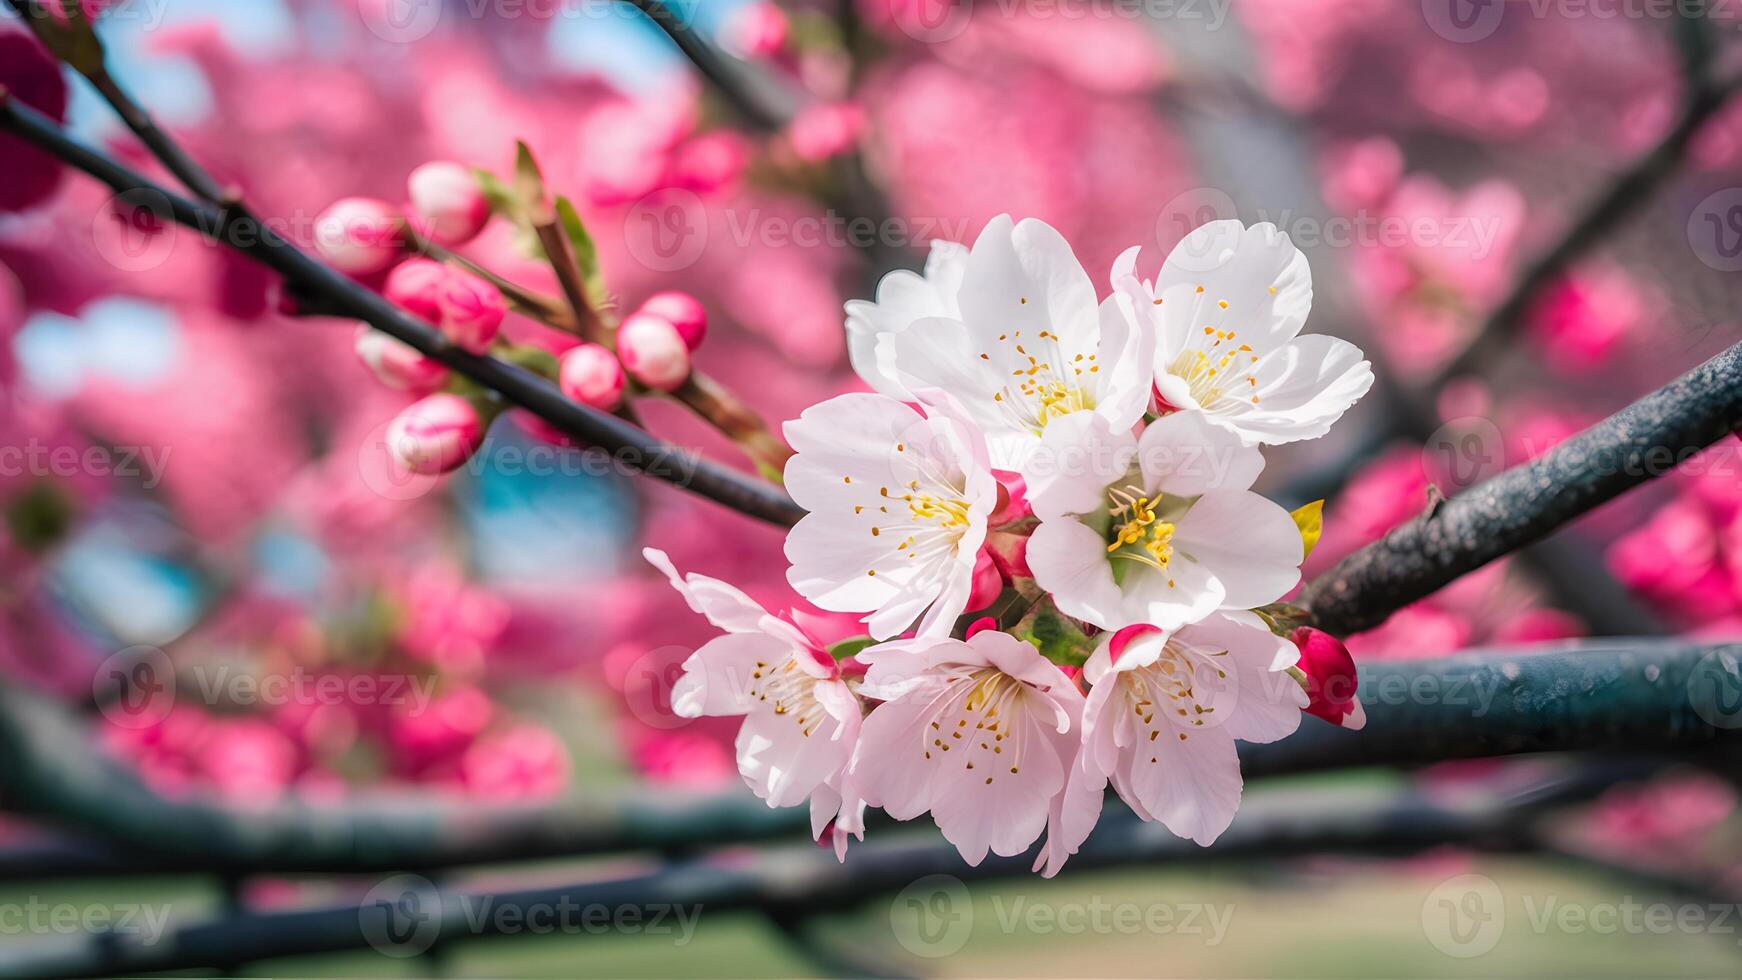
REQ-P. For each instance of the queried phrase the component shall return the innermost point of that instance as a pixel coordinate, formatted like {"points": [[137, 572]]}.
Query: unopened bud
{"points": [[359, 236], [682, 311], [435, 435], [653, 352], [590, 374], [466, 309], [1330, 678], [447, 197], [396, 364], [988, 583]]}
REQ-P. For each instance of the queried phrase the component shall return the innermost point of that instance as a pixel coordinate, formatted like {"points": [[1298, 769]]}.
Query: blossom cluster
{"points": [[1044, 513], [371, 239]]}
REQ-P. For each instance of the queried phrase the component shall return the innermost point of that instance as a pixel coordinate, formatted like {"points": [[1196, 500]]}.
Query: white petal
{"points": [[723, 605], [1267, 702], [1070, 561], [1249, 544], [1185, 454], [1257, 271], [783, 765], [1303, 388], [1192, 785], [1078, 457], [903, 298], [716, 678]]}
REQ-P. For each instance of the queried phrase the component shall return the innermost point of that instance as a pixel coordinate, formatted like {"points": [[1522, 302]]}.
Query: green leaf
{"points": [[502, 198], [849, 647], [586, 252], [1057, 636], [1283, 618], [528, 180], [1311, 521]]}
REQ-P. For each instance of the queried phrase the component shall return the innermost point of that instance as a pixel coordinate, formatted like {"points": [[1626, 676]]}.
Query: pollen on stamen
{"points": [[1200, 289], [846, 479], [1222, 303]]}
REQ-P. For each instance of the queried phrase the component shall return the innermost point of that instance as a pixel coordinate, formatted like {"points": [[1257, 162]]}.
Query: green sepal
{"points": [[849, 647], [1058, 637]]}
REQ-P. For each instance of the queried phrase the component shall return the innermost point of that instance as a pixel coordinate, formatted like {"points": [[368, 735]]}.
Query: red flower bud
{"points": [[590, 374], [1331, 678]]}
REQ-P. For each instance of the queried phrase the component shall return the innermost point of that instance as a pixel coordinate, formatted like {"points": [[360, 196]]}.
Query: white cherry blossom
{"points": [[1226, 310], [898, 505], [801, 717], [1159, 530]]}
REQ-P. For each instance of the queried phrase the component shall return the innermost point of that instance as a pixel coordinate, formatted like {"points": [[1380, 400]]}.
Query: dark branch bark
{"points": [[808, 881], [1526, 503], [240, 231], [1633, 696]]}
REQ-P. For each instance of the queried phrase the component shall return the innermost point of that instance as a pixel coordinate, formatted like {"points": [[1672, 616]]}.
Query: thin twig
{"points": [[633, 447]]}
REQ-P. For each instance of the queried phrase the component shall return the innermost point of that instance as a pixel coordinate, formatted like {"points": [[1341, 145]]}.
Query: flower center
{"points": [[1170, 685], [1216, 364], [977, 721], [792, 692], [1047, 385], [1137, 532]]}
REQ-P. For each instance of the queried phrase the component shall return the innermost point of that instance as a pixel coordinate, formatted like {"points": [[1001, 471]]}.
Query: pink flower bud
{"points": [[590, 374], [756, 30], [980, 625], [435, 435], [1331, 678], [988, 583], [682, 311], [1012, 499], [359, 236], [1010, 552], [397, 364], [467, 310], [825, 130], [653, 352], [447, 197]]}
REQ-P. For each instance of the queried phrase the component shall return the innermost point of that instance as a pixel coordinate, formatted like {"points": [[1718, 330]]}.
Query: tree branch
{"points": [[240, 231], [1633, 696], [1270, 827], [1526, 503]]}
